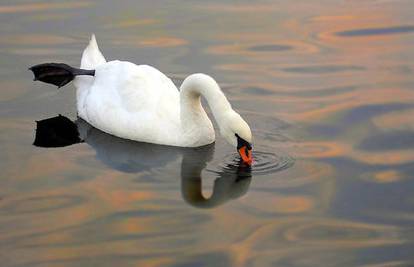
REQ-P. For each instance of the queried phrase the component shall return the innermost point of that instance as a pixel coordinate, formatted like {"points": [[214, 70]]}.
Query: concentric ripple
{"points": [[263, 163]]}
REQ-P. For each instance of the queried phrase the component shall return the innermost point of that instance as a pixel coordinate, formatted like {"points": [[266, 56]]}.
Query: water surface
{"points": [[326, 86]]}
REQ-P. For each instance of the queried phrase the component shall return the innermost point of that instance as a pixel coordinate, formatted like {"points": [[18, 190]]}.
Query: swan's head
{"points": [[237, 133]]}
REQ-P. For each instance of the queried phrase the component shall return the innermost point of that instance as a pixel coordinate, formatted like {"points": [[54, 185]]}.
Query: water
{"points": [[326, 86]]}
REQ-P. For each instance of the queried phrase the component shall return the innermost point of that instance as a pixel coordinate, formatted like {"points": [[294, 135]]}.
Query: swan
{"points": [[140, 103]]}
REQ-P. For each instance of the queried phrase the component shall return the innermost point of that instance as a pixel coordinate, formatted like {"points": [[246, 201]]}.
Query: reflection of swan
{"points": [[230, 184], [133, 157], [126, 155], [138, 102]]}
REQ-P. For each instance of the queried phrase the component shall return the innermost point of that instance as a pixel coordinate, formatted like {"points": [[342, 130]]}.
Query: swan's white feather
{"points": [[135, 102], [138, 102], [91, 59], [92, 56]]}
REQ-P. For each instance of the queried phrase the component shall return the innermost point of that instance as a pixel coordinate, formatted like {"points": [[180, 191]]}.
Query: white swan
{"points": [[138, 102]]}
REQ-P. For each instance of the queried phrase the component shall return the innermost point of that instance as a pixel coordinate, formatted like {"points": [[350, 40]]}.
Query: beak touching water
{"points": [[246, 155], [245, 150]]}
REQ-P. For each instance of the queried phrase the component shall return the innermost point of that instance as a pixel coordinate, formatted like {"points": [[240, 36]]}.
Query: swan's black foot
{"points": [[58, 74]]}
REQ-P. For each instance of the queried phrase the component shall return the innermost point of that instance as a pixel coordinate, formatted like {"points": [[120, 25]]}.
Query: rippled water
{"points": [[326, 86], [264, 163]]}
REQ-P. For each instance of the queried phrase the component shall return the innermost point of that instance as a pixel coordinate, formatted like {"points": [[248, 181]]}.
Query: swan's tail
{"points": [[92, 57], [58, 74]]}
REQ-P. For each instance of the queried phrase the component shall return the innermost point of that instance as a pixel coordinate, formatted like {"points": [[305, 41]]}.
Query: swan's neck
{"points": [[194, 119]]}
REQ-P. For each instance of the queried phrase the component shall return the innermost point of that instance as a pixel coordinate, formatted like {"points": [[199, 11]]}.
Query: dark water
{"points": [[327, 87]]}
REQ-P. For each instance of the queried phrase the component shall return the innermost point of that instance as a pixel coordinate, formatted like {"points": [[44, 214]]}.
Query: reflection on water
{"points": [[41, 204], [128, 156], [31, 7], [231, 183], [326, 86], [377, 31], [264, 163]]}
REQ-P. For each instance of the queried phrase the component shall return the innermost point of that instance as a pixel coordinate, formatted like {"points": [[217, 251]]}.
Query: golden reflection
{"points": [[319, 149], [388, 176], [317, 177], [397, 120], [388, 264], [337, 233], [48, 17], [115, 198], [239, 8], [293, 236], [332, 18], [36, 39], [163, 42], [275, 203], [395, 157], [150, 42], [40, 51], [356, 98], [32, 7], [127, 23]]}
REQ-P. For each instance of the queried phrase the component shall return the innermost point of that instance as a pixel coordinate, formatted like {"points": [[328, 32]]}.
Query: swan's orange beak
{"points": [[246, 155]]}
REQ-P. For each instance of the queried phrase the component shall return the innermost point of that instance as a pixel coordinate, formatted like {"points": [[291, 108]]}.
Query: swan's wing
{"points": [[133, 102], [91, 56], [145, 89], [134, 97]]}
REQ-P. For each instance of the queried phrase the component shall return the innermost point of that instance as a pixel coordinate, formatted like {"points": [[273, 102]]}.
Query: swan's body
{"points": [[138, 102]]}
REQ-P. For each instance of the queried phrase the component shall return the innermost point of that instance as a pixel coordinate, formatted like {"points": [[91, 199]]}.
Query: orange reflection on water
{"points": [[42, 51], [394, 157], [358, 98], [32, 7], [34, 17], [324, 149], [280, 204], [239, 8], [289, 237], [36, 39], [139, 41], [44, 165], [332, 18], [132, 22], [388, 176], [107, 187], [320, 149], [397, 120]]}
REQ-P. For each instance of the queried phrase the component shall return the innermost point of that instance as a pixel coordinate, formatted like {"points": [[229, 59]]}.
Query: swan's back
{"points": [[130, 101]]}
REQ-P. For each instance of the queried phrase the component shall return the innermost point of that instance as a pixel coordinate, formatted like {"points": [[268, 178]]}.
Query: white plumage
{"points": [[138, 102]]}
